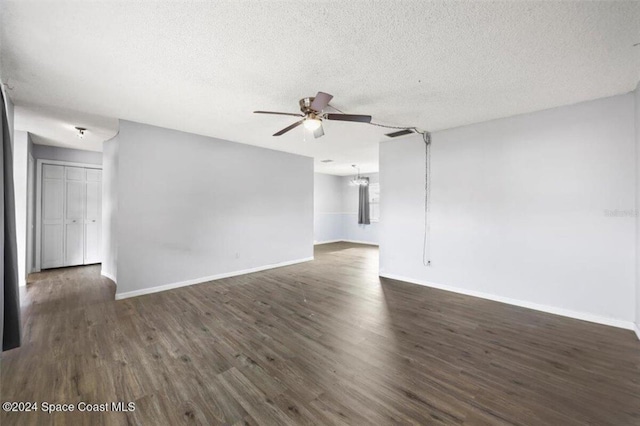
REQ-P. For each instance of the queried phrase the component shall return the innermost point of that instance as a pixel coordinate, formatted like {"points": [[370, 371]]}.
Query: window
{"points": [[374, 202]]}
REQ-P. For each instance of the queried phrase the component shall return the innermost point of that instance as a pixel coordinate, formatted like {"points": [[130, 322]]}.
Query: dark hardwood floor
{"points": [[324, 342]]}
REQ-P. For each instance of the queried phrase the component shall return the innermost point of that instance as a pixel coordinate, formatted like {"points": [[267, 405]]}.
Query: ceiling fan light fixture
{"points": [[312, 115], [312, 124]]}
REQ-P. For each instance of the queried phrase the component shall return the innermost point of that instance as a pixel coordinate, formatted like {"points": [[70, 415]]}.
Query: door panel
{"points": [[93, 203], [74, 201], [52, 246], [93, 214], [74, 219], [74, 173], [74, 250], [92, 243], [52, 207], [52, 172], [94, 175], [52, 216]]}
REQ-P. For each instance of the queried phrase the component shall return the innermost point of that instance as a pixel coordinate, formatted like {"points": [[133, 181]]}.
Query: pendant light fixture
{"points": [[359, 180]]}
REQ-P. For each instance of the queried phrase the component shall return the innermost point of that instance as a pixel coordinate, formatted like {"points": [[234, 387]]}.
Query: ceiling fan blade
{"points": [[278, 113], [321, 101], [349, 117], [286, 129], [319, 132]]}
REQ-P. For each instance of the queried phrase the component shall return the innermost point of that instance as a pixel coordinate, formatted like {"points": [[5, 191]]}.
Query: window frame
{"points": [[372, 218]]}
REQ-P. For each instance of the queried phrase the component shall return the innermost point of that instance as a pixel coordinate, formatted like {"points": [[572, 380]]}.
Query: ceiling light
{"points": [[81, 131], [312, 124]]}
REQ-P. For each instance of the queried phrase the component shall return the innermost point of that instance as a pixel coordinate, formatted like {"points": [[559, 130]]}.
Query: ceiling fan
{"points": [[313, 114]]}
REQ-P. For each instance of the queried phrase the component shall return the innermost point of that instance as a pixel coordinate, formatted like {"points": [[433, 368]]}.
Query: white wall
{"points": [[20, 181], [110, 208], [10, 114], [47, 152], [192, 207], [31, 210], [336, 210], [327, 208], [637, 212], [8, 104], [521, 210]]}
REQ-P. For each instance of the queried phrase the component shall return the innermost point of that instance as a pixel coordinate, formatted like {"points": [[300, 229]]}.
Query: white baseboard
{"points": [[361, 242], [108, 275], [629, 325], [637, 330], [171, 286], [317, 243]]}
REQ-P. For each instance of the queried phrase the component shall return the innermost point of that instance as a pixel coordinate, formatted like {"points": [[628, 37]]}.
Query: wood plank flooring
{"points": [[324, 342]]}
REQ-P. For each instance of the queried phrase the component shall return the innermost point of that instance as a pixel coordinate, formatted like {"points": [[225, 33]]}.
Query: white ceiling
{"points": [[204, 67], [57, 126]]}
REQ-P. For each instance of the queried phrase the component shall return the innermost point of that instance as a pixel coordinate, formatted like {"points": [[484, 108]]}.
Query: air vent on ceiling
{"points": [[399, 133], [326, 161]]}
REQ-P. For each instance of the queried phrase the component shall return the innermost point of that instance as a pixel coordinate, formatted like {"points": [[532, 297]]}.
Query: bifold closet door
{"points": [[93, 215], [74, 216], [71, 216], [52, 216]]}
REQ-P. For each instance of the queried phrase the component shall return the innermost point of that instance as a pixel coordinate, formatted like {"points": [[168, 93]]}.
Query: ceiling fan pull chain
{"points": [[426, 248]]}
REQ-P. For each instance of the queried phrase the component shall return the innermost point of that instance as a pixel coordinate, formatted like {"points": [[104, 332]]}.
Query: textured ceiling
{"points": [[204, 67]]}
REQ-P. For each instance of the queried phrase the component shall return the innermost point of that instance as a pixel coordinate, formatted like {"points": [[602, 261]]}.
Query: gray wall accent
{"points": [[47, 152], [534, 210], [110, 207], [336, 210], [192, 207], [10, 323]]}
